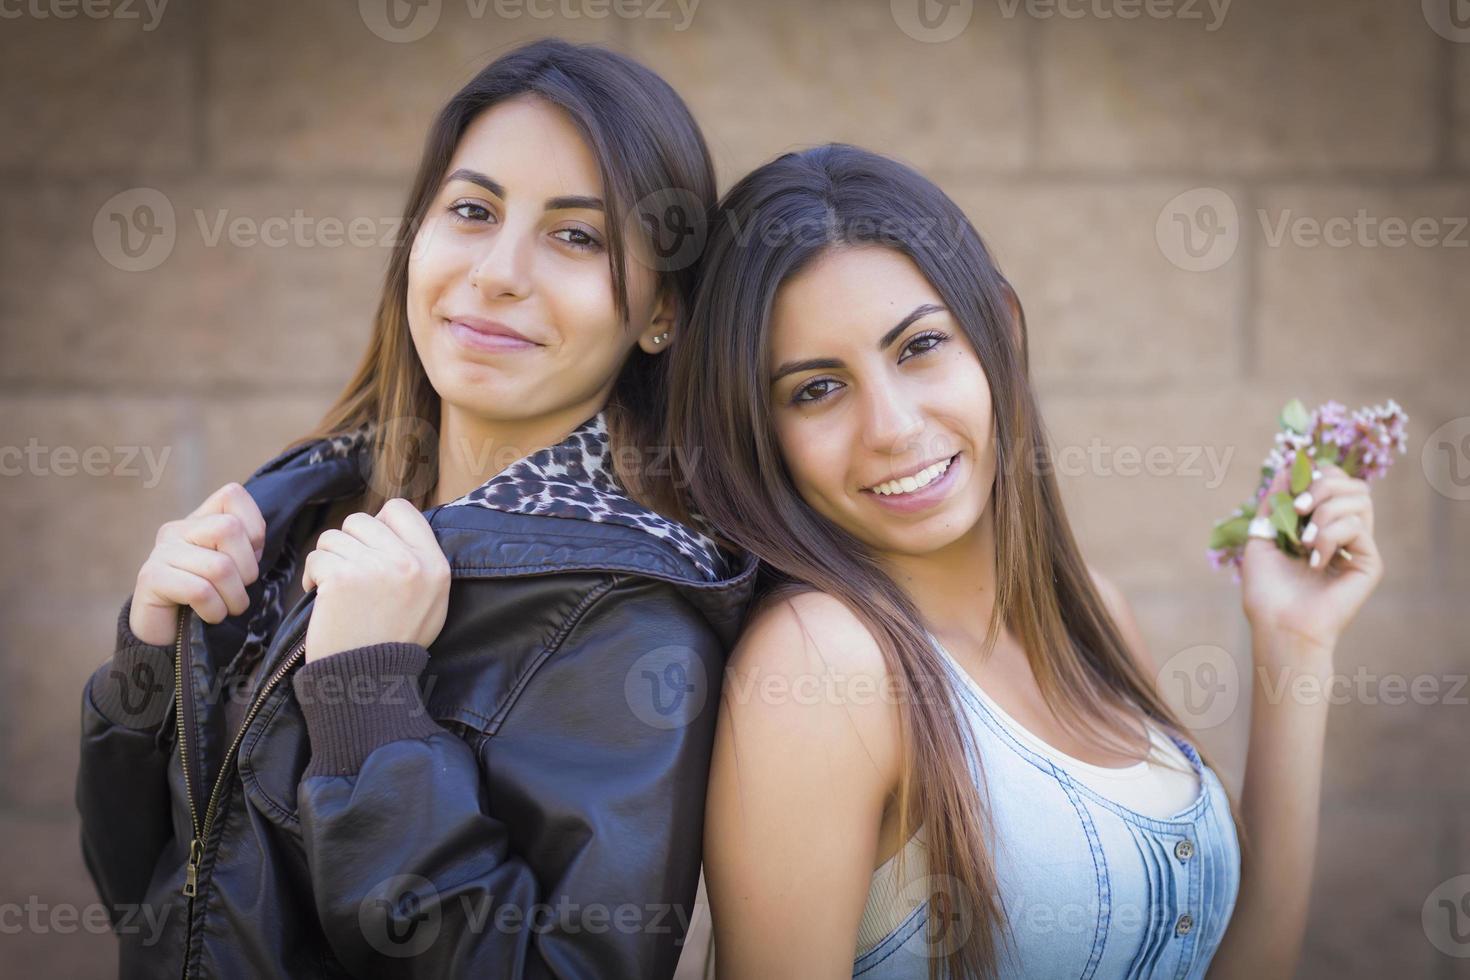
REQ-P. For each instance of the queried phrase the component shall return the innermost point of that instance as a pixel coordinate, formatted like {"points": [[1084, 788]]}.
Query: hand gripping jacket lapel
{"points": [[547, 555]]}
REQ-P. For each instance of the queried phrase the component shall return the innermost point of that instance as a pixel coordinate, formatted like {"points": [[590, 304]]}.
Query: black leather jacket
{"points": [[523, 799]]}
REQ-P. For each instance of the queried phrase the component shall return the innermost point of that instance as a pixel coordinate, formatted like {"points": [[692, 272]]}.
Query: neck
{"points": [[474, 449], [954, 587]]}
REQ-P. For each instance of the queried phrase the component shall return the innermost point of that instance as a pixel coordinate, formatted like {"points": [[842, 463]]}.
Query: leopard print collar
{"points": [[572, 479]]}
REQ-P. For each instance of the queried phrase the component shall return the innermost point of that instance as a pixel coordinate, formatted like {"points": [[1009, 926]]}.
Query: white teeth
{"points": [[909, 484]]}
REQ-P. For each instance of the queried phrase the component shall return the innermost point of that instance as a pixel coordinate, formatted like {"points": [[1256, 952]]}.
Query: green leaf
{"points": [[1353, 461], [1301, 472], [1295, 416], [1230, 533], [1284, 515]]}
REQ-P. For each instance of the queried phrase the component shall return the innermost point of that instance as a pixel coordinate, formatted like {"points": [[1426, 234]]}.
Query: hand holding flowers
{"points": [[1303, 549]]}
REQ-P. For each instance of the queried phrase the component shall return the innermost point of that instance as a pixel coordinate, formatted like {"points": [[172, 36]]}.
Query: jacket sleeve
{"points": [[122, 789], [565, 844]]}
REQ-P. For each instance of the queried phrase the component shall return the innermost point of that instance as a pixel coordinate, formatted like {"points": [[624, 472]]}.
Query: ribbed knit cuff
{"points": [[356, 700], [136, 687]]}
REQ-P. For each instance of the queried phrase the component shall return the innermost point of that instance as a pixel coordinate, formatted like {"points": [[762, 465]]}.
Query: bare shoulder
{"points": [[1122, 614], [806, 631], [808, 671]]}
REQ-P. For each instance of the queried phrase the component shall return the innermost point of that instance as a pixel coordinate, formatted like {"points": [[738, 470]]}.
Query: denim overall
{"points": [[1091, 888]]}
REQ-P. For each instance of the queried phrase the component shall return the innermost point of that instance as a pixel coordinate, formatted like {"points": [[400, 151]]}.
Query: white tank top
{"points": [[1147, 787], [1150, 787]]}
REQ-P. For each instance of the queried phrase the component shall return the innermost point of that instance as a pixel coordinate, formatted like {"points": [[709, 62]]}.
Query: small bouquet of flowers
{"points": [[1362, 443]]}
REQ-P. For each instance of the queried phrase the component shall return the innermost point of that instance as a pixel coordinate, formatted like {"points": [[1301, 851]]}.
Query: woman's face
{"points": [[510, 296], [881, 407]]}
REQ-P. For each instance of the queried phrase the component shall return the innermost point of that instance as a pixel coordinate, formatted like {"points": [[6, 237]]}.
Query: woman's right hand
{"points": [[204, 561]]}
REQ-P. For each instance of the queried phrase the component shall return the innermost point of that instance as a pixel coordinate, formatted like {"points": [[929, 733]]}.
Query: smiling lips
{"points": [[492, 335], [912, 482]]}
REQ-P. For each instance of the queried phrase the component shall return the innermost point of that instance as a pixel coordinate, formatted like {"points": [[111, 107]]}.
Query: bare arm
{"points": [[1279, 803], [805, 754]]}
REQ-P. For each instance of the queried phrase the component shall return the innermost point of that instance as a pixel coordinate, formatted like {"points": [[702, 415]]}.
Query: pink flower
{"points": [[1363, 442]]}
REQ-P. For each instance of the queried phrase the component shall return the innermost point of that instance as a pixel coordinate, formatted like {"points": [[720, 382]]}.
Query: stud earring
{"points": [[660, 338]]}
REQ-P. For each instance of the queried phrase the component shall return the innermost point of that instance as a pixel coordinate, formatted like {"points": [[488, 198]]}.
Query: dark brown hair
{"points": [[647, 147], [771, 225]]}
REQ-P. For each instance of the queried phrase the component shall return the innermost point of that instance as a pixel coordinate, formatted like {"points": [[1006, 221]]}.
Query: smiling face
{"points": [[880, 404], [510, 294]]}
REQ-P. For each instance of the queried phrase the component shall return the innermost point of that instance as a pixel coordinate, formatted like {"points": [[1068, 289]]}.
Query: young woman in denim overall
{"points": [[941, 749]]}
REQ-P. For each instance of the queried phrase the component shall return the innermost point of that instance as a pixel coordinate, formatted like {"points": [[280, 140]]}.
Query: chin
{"points": [[938, 532], [925, 544]]}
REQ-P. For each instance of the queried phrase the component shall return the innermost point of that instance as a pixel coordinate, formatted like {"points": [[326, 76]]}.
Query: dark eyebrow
{"points": [[574, 202], [566, 203], [823, 363], [475, 177]]}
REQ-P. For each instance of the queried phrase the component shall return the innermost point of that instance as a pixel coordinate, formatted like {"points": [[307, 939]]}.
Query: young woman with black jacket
{"points": [[432, 693]]}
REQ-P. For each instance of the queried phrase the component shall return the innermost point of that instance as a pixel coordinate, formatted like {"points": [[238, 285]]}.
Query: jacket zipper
{"points": [[201, 831]]}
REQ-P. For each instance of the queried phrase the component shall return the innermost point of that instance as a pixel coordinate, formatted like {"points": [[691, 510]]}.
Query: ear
{"points": [[659, 334]]}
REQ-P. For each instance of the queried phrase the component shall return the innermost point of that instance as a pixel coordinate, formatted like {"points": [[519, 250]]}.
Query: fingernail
{"points": [[1316, 559], [1309, 534], [1303, 501], [1316, 474]]}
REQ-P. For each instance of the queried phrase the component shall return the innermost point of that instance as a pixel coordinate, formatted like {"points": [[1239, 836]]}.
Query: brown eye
{"points": [[459, 207], [577, 238], [814, 390], [934, 338]]}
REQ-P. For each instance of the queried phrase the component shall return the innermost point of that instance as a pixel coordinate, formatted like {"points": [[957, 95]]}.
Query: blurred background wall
{"points": [[193, 212]]}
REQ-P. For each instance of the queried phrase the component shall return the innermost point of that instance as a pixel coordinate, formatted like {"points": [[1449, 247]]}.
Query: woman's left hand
{"points": [[1309, 604], [380, 579]]}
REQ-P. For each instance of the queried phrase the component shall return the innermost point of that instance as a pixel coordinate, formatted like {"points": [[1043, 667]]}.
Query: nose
{"points": [[503, 268], [893, 419]]}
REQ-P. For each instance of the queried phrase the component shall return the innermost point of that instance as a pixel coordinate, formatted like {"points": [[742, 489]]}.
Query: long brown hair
{"points": [[768, 227], [649, 151]]}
